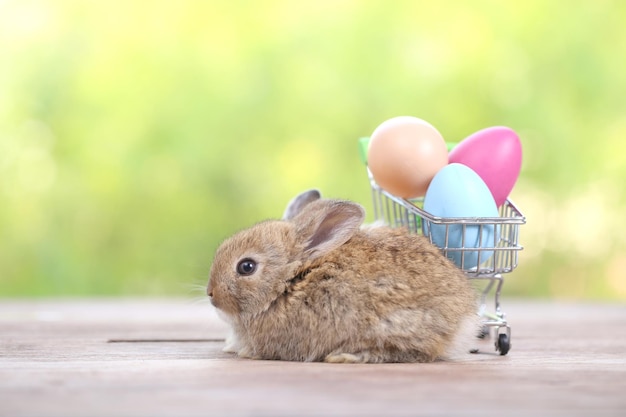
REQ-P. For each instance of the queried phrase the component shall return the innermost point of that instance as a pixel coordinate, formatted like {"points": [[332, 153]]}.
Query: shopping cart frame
{"points": [[494, 259]]}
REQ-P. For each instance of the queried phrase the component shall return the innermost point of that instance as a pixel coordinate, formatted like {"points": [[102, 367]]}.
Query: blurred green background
{"points": [[136, 135]]}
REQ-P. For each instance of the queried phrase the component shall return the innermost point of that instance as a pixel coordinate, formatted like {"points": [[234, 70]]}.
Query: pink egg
{"points": [[495, 154], [404, 154]]}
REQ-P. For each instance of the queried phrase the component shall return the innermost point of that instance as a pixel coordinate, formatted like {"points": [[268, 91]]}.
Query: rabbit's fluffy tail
{"points": [[465, 340]]}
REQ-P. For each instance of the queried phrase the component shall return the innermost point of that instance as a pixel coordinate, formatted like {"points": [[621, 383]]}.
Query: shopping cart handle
{"points": [[363, 144]]}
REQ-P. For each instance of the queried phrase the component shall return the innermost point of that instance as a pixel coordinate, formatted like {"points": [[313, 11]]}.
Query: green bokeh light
{"points": [[134, 136]]}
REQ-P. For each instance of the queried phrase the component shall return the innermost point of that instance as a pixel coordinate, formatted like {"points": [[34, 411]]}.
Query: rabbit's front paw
{"points": [[232, 344], [229, 348], [247, 353]]}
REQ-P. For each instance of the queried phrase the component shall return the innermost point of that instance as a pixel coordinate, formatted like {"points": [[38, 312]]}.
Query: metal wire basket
{"points": [[486, 259]]}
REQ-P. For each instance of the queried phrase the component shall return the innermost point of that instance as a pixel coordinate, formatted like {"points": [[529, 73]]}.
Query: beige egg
{"points": [[404, 155]]}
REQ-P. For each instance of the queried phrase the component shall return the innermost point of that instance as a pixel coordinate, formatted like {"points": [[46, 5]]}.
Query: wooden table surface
{"points": [[136, 357]]}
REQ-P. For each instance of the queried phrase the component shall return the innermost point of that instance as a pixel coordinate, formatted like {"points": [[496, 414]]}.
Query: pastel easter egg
{"points": [[495, 153], [404, 154], [458, 191]]}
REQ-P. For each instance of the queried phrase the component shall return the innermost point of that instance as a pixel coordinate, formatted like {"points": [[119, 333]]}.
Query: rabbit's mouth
{"points": [[220, 302], [212, 300], [225, 306]]}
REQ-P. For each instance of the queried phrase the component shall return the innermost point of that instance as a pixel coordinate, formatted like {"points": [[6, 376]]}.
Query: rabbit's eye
{"points": [[246, 267]]}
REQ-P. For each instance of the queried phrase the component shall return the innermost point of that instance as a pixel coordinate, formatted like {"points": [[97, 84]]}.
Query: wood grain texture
{"points": [[57, 359]]}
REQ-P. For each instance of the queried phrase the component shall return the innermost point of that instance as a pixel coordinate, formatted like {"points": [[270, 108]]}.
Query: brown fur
{"points": [[325, 290]]}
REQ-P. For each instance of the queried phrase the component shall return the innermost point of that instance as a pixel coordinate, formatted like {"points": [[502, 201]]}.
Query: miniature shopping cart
{"points": [[489, 260]]}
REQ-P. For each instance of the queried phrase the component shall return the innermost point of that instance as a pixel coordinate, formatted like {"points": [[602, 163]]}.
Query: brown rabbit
{"points": [[316, 287]]}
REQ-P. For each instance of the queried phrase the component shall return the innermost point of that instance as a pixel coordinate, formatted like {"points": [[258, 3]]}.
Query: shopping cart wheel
{"points": [[503, 344]]}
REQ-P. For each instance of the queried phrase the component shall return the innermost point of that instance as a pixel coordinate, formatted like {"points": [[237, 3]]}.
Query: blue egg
{"points": [[458, 191]]}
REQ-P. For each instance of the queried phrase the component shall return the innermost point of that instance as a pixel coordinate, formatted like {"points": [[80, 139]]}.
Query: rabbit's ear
{"points": [[328, 226], [296, 205]]}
